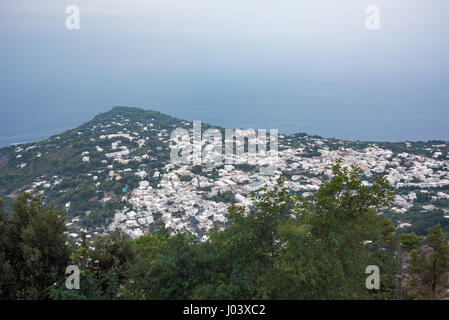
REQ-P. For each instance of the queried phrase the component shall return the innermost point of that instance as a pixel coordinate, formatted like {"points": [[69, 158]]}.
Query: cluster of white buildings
{"points": [[184, 205], [181, 204]]}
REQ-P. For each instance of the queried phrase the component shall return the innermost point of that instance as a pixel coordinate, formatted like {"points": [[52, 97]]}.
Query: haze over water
{"points": [[297, 66]]}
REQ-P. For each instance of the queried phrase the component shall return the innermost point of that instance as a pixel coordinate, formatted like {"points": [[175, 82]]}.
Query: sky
{"points": [[294, 65]]}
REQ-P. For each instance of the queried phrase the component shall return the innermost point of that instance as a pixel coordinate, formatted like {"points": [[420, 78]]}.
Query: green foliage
{"points": [[422, 197], [197, 169], [113, 251], [321, 253], [104, 268], [284, 248], [226, 197], [33, 249], [165, 268], [148, 245], [326, 248], [431, 262], [94, 285], [410, 241], [185, 178]]}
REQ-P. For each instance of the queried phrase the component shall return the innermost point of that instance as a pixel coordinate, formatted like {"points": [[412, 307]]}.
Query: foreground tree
{"points": [[337, 235], [410, 241], [238, 262], [33, 249], [104, 265], [429, 263], [7, 278], [284, 248]]}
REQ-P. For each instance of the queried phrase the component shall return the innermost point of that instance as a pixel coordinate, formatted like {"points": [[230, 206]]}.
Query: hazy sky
{"points": [[303, 65]]}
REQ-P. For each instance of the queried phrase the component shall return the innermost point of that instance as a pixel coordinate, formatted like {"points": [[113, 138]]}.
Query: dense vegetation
{"points": [[286, 248], [33, 249]]}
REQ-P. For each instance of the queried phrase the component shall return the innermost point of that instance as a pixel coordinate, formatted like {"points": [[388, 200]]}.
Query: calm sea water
{"points": [[373, 125], [341, 104], [309, 68]]}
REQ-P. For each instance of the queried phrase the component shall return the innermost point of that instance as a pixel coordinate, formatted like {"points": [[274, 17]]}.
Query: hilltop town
{"points": [[115, 171]]}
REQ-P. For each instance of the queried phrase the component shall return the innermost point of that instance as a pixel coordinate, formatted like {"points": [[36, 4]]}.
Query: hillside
{"points": [[114, 171]]}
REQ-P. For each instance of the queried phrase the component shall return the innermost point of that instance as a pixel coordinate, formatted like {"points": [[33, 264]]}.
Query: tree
{"points": [[34, 253], [104, 267], [165, 269], [429, 263], [7, 278], [422, 197], [238, 261], [197, 169], [285, 247], [410, 241], [336, 235], [3, 213], [114, 251]]}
